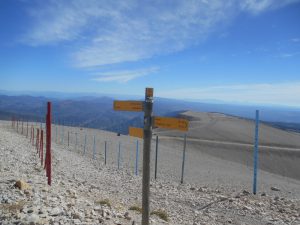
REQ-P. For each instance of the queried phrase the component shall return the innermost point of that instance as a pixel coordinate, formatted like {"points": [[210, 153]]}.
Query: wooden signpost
{"points": [[149, 122]]}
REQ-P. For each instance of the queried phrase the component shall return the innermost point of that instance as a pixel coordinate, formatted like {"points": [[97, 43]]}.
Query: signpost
{"points": [[149, 122]]}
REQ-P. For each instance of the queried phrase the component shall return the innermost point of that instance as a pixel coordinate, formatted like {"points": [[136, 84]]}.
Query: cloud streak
{"points": [[112, 32], [278, 93], [125, 75]]}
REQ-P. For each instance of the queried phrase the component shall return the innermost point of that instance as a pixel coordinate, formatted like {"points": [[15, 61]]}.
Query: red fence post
{"points": [[48, 143]]}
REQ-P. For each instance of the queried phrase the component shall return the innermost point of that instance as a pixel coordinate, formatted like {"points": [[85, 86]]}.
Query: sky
{"points": [[238, 51]]}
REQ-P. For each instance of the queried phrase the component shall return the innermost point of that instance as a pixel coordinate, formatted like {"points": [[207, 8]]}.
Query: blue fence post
{"points": [[255, 152], [119, 155], [105, 153], [84, 147], [137, 157], [94, 147]]}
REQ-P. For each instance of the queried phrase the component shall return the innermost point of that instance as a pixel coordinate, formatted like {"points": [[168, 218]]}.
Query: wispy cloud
{"points": [[258, 6], [110, 32], [288, 55], [124, 76], [295, 40], [278, 93]]}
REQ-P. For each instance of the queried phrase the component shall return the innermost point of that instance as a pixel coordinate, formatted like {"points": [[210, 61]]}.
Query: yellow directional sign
{"points": [[136, 106], [136, 132], [171, 123]]}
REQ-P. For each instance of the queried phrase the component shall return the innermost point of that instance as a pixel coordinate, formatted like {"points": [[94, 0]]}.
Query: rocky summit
{"points": [[85, 191]]}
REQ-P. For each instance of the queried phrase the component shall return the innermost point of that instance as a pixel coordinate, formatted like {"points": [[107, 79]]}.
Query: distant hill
{"points": [[224, 128], [97, 112]]}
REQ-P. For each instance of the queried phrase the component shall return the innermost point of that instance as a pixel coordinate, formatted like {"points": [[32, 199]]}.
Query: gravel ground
{"points": [[85, 191]]}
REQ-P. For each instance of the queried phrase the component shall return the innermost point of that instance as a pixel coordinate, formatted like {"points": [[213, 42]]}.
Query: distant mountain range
{"points": [[97, 111]]}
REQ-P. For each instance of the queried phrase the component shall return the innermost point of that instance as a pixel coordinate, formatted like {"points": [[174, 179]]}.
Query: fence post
{"points": [[68, 138], [119, 155], [156, 155], [183, 159], [84, 145], [137, 157], [56, 133], [27, 130], [48, 143], [94, 147], [75, 141], [37, 140], [255, 152], [22, 126], [105, 153], [32, 136], [62, 134], [42, 147]]}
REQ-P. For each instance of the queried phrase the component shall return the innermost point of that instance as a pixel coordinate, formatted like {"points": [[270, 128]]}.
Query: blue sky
{"points": [[243, 51]]}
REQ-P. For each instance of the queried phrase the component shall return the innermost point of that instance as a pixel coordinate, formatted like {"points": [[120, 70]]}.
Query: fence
{"points": [[120, 152], [36, 137]]}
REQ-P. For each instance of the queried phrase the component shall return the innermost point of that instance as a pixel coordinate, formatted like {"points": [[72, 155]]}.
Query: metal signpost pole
{"points": [[148, 108]]}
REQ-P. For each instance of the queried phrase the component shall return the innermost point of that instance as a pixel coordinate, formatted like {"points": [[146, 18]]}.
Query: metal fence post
{"points": [[156, 155], [183, 159], [255, 152], [105, 153], [75, 141], [84, 147], [119, 155], [94, 147], [137, 158]]}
